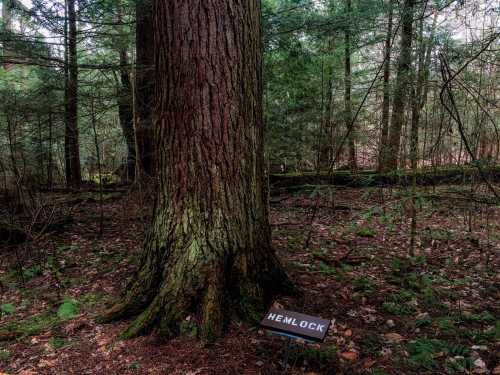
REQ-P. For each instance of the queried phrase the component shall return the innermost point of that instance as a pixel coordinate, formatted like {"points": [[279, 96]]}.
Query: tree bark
{"points": [[403, 80], [144, 89], [387, 94], [125, 112], [208, 252], [72, 147], [347, 89]]}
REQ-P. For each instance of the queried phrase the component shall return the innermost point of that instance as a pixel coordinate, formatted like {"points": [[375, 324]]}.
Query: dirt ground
{"points": [[437, 312]]}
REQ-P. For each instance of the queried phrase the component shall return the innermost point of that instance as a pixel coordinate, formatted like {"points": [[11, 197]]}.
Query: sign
{"points": [[295, 324]]}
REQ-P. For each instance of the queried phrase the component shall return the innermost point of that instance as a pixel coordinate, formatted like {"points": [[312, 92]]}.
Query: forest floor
{"points": [[437, 312]]}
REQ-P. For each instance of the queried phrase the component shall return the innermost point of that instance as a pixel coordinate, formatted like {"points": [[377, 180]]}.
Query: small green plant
{"points": [[446, 324], [485, 316], [364, 285], [7, 309], [327, 270], [32, 272], [134, 366], [4, 355], [397, 308], [366, 232], [320, 356], [189, 328], [57, 342], [67, 310], [430, 298], [33, 325], [402, 296], [458, 364], [421, 352], [371, 343], [424, 321]]}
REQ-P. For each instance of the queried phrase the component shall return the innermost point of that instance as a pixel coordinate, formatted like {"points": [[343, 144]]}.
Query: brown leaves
{"points": [[393, 337], [350, 355]]}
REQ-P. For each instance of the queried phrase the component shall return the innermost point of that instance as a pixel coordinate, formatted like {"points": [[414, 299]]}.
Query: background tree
{"points": [[144, 87], [71, 142]]}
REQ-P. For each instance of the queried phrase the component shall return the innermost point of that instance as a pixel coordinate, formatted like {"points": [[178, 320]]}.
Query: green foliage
{"points": [[371, 343], [422, 322], [7, 309], [134, 366], [366, 232], [33, 325], [397, 308], [31, 272], [446, 324], [57, 342], [485, 316], [422, 351], [189, 328], [402, 296], [318, 356], [67, 310], [363, 284], [430, 298], [4, 355]]}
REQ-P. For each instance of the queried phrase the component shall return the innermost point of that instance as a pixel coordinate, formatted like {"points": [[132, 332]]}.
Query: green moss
{"points": [[33, 325], [4, 355], [57, 342]]}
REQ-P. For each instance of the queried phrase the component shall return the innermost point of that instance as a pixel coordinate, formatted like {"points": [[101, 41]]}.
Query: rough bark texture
{"points": [[387, 95], [403, 81], [125, 111], [208, 251], [144, 88], [347, 90], [72, 147]]}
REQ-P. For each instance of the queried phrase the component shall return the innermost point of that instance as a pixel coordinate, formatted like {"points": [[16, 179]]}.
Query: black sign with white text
{"points": [[296, 324]]}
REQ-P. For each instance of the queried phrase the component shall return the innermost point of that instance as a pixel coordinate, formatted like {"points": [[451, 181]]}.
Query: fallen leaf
{"points": [[393, 337], [368, 363], [349, 356], [496, 371], [348, 333], [46, 363]]}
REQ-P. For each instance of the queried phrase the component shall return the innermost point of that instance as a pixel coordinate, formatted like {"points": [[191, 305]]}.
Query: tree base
{"points": [[199, 283]]}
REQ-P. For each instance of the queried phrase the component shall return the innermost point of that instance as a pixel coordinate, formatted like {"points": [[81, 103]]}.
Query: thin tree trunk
{"points": [[93, 121], [125, 111], [144, 89], [72, 147], [208, 251], [347, 86], [50, 161], [403, 80], [387, 95], [7, 26]]}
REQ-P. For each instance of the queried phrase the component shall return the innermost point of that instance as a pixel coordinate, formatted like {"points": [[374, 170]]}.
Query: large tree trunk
{"points": [[387, 95], [144, 89], [209, 250], [403, 81], [347, 90], [72, 147]]}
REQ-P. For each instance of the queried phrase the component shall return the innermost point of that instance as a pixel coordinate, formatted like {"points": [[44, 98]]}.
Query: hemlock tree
{"points": [[208, 252], [71, 141], [403, 83], [144, 88]]}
